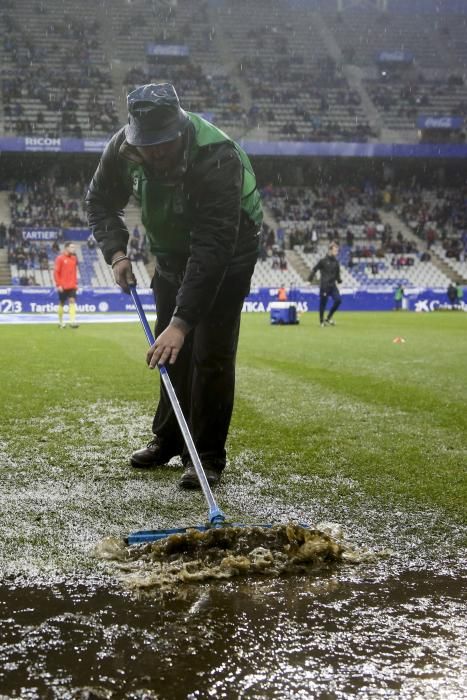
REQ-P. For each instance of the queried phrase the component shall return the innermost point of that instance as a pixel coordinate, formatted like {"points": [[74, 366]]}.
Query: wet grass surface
{"points": [[335, 424]]}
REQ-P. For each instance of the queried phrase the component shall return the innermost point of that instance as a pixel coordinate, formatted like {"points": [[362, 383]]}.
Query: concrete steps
{"points": [[5, 215], [453, 275], [5, 272], [397, 224], [298, 264], [352, 73]]}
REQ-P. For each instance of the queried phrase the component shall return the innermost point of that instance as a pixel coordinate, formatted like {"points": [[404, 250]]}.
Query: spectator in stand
{"points": [[276, 261], [280, 237], [43, 258], [330, 275], [66, 282], [464, 241], [452, 295], [314, 240], [136, 235], [430, 237], [21, 260]]}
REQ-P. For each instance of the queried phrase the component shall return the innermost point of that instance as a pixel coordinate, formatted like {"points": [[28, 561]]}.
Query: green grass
{"points": [[347, 399], [336, 415]]}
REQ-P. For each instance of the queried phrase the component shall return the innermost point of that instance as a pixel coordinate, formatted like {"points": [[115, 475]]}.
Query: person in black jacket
{"points": [[452, 295], [330, 275], [202, 214]]}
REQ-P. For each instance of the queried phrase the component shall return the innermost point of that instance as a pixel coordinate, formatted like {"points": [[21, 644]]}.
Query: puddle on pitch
{"points": [[358, 632]]}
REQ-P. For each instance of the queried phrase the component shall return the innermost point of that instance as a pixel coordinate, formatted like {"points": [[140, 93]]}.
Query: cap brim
{"points": [[138, 135]]}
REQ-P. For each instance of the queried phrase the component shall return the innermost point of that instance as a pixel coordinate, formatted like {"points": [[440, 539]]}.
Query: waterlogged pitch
{"points": [[323, 417], [331, 425]]}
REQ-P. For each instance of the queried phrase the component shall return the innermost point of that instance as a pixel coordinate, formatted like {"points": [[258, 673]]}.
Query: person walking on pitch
{"points": [[330, 275]]}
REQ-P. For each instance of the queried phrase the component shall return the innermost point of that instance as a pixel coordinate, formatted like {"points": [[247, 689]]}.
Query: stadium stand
{"points": [[279, 68], [297, 92], [363, 31], [55, 78], [402, 100], [49, 205], [371, 254], [272, 70], [200, 77]]}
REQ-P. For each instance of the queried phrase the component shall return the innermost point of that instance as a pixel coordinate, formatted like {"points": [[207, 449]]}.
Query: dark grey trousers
{"points": [[204, 372]]}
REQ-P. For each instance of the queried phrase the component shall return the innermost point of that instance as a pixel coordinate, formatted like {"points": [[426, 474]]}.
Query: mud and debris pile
{"points": [[224, 553]]}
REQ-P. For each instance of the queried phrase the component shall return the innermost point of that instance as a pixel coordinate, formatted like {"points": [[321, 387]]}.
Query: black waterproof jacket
{"points": [[223, 240], [329, 270]]}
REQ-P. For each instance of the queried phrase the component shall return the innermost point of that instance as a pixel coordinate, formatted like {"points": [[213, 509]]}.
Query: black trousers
{"points": [[324, 295], [204, 372]]}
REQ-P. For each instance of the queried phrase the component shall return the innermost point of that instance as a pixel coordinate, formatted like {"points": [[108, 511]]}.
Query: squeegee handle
{"points": [[142, 315], [216, 516]]}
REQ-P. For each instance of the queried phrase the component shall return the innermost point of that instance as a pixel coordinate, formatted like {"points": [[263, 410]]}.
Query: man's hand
{"points": [[123, 273], [166, 348]]}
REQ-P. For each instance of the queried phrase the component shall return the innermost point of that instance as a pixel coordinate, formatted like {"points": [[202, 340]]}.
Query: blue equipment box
{"points": [[283, 313]]}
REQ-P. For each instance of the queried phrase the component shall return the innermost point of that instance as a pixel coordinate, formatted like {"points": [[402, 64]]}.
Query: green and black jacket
{"points": [[202, 226]]}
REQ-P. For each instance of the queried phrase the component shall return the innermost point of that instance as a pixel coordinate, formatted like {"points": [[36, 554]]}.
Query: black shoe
{"points": [[329, 322], [189, 479], [153, 455]]}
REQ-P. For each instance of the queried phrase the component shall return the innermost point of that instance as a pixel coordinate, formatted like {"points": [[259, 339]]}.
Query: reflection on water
{"points": [[333, 636]]}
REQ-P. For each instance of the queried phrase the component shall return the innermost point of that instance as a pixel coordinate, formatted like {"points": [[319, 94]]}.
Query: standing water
{"points": [[367, 631]]}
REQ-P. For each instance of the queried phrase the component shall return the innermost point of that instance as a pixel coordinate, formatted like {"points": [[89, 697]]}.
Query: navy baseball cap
{"points": [[154, 115]]}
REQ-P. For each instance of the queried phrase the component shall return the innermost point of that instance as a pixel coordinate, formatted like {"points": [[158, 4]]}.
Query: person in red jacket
{"points": [[66, 281]]}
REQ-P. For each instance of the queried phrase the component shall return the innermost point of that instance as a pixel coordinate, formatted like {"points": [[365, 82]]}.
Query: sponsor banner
{"points": [[167, 49], [395, 57], [434, 122], [40, 234], [93, 145], [76, 234], [40, 300], [336, 149], [44, 300], [262, 148], [44, 144]]}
